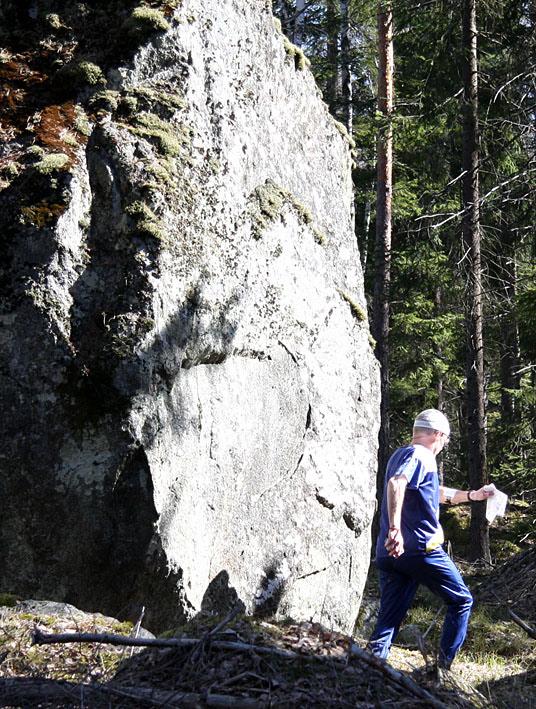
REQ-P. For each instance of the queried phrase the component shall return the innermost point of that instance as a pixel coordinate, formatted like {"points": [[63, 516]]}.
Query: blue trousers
{"points": [[399, 580]]}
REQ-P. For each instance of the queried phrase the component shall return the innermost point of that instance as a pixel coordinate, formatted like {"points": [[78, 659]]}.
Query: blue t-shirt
{"points": [[420, 512]]}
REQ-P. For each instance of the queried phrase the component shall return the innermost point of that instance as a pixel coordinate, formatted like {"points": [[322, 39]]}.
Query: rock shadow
{"points": [[220, 598]]}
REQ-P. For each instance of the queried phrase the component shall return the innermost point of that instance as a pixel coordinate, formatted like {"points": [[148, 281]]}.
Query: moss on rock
{"points": [[143, 22], [301, 62], [54, 21], [359, 313], [8, 600], [344, 132], [82, 124], [105, 100], [42, 213], [266, 204], [51, 163], [169, 138], [147, 223], [159, 98], [79, 75]]}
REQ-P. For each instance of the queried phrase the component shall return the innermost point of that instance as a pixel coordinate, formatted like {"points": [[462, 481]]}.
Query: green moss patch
{"points": [[359, 313], [143, 22], [125, 334], [168, 138], [62, 662], [105, 101], [161, 99], [147, 223], [266, 204], [300, 60], [8, 600], [344, 132], [8, 173], [78, 75], [51, 163]]}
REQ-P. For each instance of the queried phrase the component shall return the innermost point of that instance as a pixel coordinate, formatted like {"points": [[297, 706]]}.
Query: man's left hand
{"points": [[481, 494]]}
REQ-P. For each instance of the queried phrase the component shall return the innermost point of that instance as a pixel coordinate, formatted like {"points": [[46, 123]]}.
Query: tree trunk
{"points": [[384, 191], [510, 354], [333, 80], [438, 301], [364, 241], [299, 23], [476, 410], [282, 10], [346, 70]]}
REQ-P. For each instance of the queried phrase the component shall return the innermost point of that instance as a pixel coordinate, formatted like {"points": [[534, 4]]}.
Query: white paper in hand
{"points": [[496, 504]]}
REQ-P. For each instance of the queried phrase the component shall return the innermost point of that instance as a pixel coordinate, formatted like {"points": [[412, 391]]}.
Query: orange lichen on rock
{"points": [[54, 124], [42, 213], [19, 84]]}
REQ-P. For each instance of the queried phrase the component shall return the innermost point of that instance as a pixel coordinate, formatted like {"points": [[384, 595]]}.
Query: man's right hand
{"points": [[394, 543]]}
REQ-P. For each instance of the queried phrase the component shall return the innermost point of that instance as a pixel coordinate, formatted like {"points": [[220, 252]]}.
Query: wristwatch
{"points": [[449, 493]]}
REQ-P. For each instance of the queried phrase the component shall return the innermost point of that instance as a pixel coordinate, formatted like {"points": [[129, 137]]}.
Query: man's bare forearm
{"points": [[453, 496], [396, 490]]}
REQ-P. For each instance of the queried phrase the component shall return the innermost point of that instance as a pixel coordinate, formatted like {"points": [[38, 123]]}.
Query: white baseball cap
{"points": [[433, 419]]}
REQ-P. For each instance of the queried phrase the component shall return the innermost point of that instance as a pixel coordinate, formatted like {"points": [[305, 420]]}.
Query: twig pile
{"points": [[240, 663], [513, 584]]}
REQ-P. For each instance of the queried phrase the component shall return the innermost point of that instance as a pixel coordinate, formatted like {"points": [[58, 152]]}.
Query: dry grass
{"points": [[77, 663]]}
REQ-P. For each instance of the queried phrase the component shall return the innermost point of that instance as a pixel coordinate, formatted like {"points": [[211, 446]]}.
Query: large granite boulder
{"points": [[189, 392]]}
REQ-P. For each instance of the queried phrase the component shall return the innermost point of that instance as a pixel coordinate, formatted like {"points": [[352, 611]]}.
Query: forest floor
{"points": [[249, 662]]}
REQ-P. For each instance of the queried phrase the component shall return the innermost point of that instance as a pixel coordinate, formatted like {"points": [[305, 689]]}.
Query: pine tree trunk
{"points": [[346, 72], [476, 413], [383, 225]]}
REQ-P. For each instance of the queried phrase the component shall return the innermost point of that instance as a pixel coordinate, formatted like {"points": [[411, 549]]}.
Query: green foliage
{"points": [[8, 600]]}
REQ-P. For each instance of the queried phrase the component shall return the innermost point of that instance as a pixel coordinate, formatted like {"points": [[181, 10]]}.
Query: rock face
{"points": [[190, 396]]}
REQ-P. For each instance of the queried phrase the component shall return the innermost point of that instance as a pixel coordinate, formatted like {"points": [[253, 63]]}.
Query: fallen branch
{"points": [[40, 638], [396, 676], [526, 627], [228, 618], [31, 692]]}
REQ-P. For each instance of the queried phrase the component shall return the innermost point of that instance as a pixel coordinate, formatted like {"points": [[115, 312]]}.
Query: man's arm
{"points": [[456, 497], [396, 490]]}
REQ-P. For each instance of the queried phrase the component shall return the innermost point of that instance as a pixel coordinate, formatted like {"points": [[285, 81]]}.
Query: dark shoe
{"points": [[444, 664]]}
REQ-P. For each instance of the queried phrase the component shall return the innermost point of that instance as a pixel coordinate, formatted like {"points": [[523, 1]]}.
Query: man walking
{"points": [[408, 550]]}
